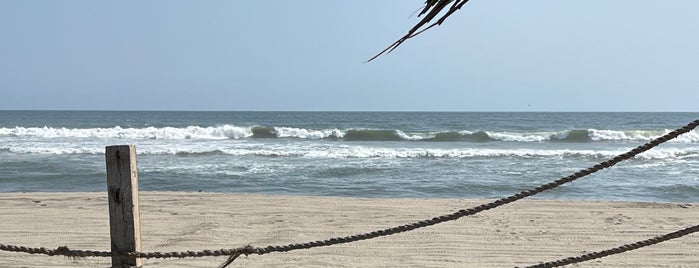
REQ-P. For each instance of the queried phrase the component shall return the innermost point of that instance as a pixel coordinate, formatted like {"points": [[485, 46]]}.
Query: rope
{"points": [[247, 250], [60, 251], [65, 251], [617, 250]]}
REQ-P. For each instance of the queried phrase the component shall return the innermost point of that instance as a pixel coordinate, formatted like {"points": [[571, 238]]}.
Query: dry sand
{"points": [[519, 234]]}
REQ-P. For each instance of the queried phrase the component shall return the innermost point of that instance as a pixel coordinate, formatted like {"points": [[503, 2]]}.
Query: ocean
{"points": [[358, 154]]}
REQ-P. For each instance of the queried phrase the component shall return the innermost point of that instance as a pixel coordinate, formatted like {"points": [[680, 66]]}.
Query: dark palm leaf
{"points": [[431, 10]]}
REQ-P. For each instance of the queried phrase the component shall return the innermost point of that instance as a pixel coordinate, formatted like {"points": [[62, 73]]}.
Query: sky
{"points": [[493, 55]]}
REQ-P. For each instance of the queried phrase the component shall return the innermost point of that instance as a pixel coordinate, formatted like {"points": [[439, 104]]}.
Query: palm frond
{"points": [[431, 10]]}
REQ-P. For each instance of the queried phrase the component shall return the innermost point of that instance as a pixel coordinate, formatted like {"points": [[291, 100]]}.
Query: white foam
{"points": [[284, 132], [240, 132], [325, 150], [409, 137], [690, 137], [561, 135], [54, 150], [172, 133], [524, 137], [379, 152], [640, 135], [616, 135], [669, 153]]}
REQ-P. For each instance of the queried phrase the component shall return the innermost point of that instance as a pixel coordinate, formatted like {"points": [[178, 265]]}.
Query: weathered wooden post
{"points": [[124, 213]]}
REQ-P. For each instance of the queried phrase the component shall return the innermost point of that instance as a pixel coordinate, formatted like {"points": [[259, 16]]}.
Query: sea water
{"points": [[362, 154]]}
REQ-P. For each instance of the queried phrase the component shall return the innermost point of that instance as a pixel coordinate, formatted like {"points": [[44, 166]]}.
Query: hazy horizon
{"points": [[338, 111]]}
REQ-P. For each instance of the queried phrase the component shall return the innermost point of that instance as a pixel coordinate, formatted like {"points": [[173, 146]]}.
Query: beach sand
{"points": [[519, 234]]}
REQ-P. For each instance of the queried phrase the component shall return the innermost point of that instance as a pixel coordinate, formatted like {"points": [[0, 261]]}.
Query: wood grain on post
{"points": [[124, 213]]}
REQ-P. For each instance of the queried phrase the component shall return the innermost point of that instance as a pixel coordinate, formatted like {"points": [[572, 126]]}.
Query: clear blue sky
{"points": [[494, 55]]}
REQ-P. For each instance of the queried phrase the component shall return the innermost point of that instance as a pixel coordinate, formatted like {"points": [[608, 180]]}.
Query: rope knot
{"points": [[247, 250], [63, 250]]}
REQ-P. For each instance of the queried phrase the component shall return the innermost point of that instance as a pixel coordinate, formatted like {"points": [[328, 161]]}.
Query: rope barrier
{"points": [[617, 250], [248, 250]]}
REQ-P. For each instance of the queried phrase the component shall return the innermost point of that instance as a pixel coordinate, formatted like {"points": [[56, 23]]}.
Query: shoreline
{"points": [[519, 234]]}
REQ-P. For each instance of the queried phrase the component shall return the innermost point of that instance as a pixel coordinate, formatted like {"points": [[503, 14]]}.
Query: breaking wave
{"points": [[265, 132], [337, 152]]}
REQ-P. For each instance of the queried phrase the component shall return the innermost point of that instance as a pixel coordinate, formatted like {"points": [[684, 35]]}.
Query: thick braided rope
{"points": [[617, 250], [60, 251], [65, 251], [247, 250]]}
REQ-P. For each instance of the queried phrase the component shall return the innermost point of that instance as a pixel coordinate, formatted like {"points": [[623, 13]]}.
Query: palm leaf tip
{"points": [[431, 10]]}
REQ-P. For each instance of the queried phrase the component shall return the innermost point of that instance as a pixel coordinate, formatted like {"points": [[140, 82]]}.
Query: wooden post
{"points": [[124, 213]]}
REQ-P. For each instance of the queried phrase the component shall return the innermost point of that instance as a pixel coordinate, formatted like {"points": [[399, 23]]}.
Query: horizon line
{"points": [[343, 111]]}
